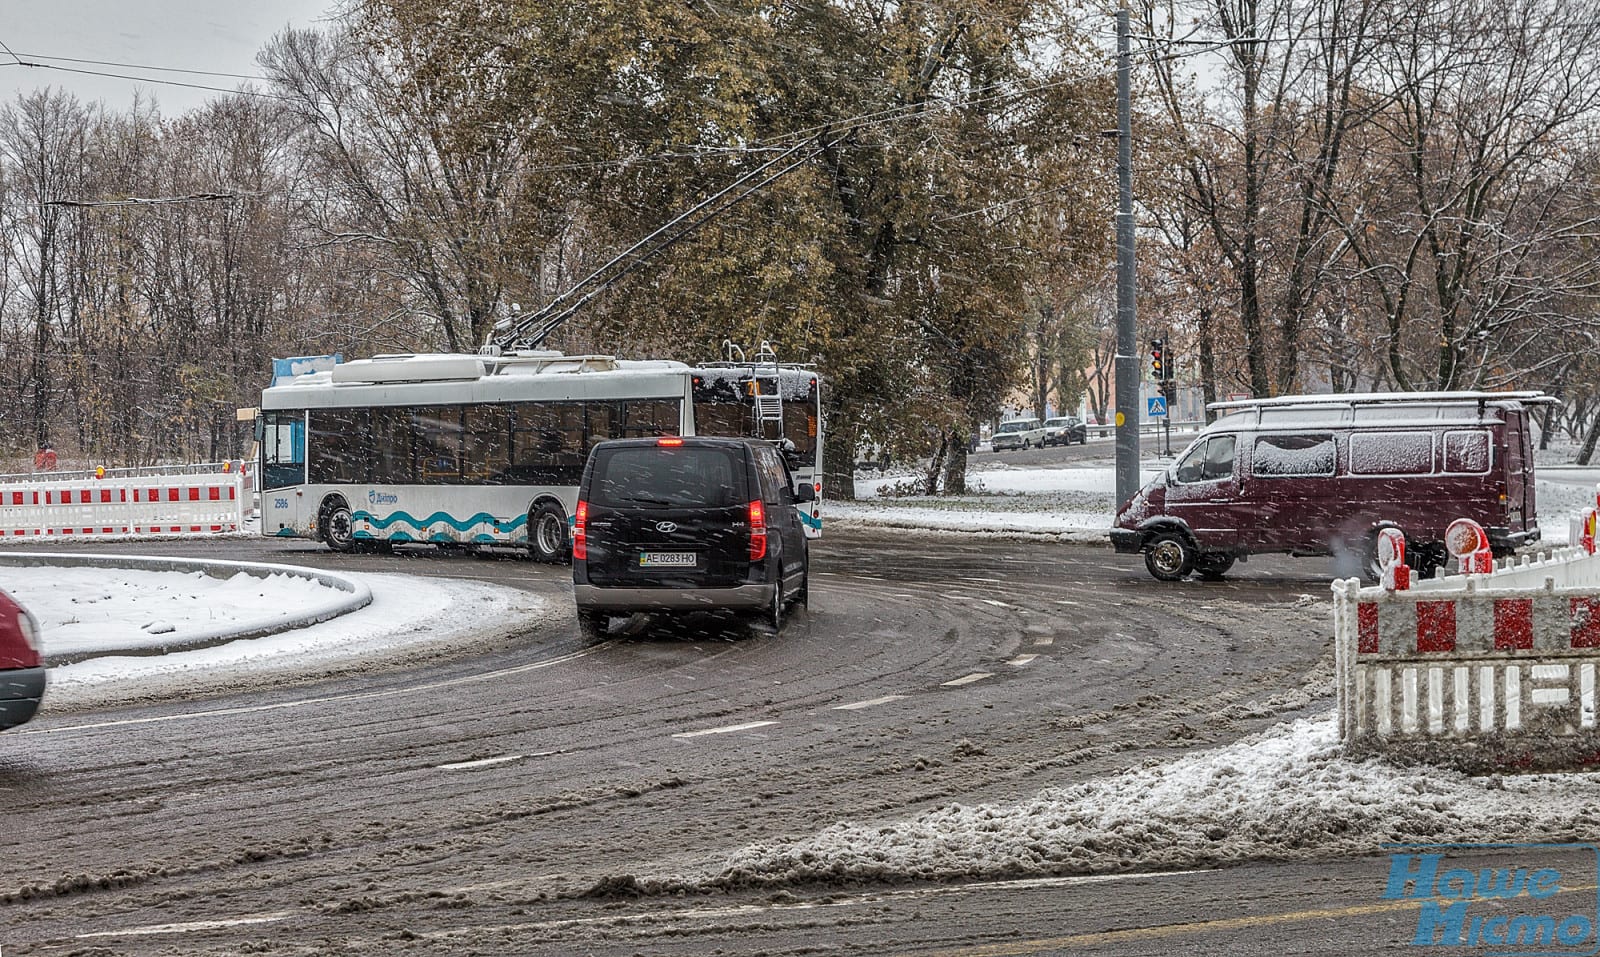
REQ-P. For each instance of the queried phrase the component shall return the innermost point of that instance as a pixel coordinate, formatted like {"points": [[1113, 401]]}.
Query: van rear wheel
{"points": [[1170, 556], [1213, 565]]}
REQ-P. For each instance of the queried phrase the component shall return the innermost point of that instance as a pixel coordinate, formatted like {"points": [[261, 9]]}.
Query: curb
{"points": [[352, 595]]}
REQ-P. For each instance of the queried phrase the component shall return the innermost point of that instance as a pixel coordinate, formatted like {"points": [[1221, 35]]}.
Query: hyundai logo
{"points": [[667, 527]]}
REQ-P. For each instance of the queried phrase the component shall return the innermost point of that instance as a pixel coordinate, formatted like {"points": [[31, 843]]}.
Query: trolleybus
{"points": [[489, 450]]}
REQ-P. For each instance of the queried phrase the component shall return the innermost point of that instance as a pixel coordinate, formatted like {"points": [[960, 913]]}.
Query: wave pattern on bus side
{"points": [[420, 526]]}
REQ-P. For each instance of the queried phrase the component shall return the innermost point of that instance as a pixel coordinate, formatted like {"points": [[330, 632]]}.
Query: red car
{"points": [[1318, 475], [21, 667]]}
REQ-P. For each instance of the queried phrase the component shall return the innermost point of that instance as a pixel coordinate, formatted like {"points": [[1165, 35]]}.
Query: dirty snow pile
{"points": [[1284, 794]]}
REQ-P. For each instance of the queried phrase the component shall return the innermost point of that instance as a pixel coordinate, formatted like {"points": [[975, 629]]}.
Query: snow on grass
{"points": [[1285, 794]]}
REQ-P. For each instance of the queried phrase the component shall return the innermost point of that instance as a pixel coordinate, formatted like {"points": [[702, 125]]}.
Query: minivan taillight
{"points": [[580, 534], [758, 531]]}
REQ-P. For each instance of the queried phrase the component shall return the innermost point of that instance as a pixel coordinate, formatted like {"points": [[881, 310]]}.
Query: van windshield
{"points": [[668, 477]]}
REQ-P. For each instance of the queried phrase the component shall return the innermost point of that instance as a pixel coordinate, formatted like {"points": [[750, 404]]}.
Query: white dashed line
{"points": [[997, 604], [1021, 660], [1044, 641], [728, 730], [857, 706], [480, 763], [150, 930], [968, 679]]}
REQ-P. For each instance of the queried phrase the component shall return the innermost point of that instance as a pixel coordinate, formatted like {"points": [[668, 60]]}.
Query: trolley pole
{"points": [[1127, 367]]}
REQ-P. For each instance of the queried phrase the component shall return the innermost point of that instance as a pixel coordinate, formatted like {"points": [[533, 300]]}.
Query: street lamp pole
{"points": [[1127, 361]]}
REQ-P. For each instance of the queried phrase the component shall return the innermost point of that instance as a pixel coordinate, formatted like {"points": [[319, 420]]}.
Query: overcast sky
{"points": [[221, 36]]}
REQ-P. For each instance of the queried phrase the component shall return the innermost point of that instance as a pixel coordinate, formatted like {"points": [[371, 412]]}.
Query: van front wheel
{"points": [[1170, 556]]}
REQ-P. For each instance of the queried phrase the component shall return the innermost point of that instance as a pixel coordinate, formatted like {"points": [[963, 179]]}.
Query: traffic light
{"points": [[1158, 359]]}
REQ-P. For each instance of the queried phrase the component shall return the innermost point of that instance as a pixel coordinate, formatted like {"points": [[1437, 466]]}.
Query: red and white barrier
{"points": [[1489, 669], [134, 505]]}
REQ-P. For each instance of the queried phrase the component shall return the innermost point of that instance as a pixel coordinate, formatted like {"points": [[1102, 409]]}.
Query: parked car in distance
{"points": [[688, 524], [22, 673], [1018, 434], [1319, 475], [1065, 431]]}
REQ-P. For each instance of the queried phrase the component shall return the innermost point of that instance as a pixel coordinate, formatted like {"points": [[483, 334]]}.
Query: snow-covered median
{"points": [[110, 608], [1285, 794]]}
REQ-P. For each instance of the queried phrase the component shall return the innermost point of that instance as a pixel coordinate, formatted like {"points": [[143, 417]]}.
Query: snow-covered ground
{"points": [[1075, 502], [83, 609], [1285, 794]]}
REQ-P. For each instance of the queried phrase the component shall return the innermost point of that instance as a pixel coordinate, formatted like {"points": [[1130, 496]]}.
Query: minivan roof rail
{"points": [[1384, 398]]}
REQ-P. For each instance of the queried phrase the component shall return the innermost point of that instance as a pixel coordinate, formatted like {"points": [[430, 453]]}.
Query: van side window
{"points": [[1391, 453], [1207, 461], [1466, 452], [1298, 455], [1219, 458]]}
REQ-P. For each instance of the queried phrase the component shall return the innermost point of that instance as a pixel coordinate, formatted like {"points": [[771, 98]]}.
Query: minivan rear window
{"points": [[1282, 456], [668, 477]]}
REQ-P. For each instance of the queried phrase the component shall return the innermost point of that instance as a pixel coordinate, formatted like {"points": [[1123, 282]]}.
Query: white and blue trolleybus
{"points": [[489, 449]]}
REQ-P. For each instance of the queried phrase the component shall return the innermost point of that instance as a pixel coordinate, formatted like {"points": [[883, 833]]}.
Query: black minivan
{"points": [[687, 524]]}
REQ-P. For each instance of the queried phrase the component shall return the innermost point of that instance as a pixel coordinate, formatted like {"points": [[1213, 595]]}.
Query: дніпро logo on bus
{"points": [[1502, 900]]}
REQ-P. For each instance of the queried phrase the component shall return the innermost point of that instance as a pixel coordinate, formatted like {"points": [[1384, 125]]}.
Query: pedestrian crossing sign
{"points": [[1155, 407]]}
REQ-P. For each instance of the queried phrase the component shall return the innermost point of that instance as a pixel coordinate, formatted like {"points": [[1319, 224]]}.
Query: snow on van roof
{"points": [[1382, 398]]}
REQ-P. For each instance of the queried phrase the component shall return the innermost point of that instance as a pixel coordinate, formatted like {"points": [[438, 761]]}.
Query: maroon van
{"points": [[1318, 475]]}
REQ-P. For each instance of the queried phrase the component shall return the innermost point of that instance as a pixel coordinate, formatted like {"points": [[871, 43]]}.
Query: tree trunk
{"points": [[955, 463], [1589, 441], [839, 464], [930, 485]]}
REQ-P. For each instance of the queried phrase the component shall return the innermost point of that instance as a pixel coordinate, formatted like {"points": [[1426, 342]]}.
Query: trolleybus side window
{"points": [[339, 447], [391, 436]]}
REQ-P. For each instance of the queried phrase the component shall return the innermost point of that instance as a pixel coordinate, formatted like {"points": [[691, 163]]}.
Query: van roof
{"points": [[1386, 398]]}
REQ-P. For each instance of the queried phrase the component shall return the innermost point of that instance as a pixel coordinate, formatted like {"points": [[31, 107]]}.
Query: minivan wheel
{"points": [[803, 596], [773, 613], [547, 533], [337, 526], [1169, 556], [592, 624], [1213, 565]]}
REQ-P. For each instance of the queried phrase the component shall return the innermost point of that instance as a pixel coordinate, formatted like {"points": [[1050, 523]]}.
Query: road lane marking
{"points": [[723, 912], [727, 730], [191, 927], [996, 581], [326, 699], [1156, 932], [995, 602], [480, 763], [967, 679], [858, 705], [1044, 641], [1021, 660]]}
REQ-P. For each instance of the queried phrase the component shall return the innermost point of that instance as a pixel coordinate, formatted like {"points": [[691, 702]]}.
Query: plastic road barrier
{"points": [[143, 505], [1483, 671]]}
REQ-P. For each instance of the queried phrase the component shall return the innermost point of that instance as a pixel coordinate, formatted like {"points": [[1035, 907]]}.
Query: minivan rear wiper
{"points": [[647, 501]]}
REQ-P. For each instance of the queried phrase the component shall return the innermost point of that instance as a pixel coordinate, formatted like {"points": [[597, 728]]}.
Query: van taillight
{"points": [[670, 442], [580, 534], [758, 531]]}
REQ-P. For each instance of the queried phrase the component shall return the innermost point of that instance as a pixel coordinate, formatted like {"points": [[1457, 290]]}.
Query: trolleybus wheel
{"points": [[547, 533], [337, 526]]}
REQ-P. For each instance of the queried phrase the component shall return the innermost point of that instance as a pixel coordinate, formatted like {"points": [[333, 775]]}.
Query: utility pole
{"points": [[1127, 368]]}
